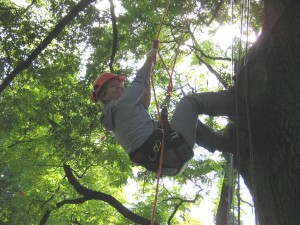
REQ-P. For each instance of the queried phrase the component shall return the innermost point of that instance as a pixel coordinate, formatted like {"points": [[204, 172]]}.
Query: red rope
{"points": [[163, 19], [159, 172], [169, 93], [170, 85]]}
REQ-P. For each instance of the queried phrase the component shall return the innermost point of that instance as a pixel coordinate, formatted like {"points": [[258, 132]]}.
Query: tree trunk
{"points": [[271, 83]]}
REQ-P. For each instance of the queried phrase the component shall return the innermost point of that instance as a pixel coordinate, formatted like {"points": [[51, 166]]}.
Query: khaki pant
{"points": [[185, 117]]}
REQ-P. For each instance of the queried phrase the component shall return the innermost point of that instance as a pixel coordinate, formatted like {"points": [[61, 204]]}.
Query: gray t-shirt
{"points": [[126, 117]]}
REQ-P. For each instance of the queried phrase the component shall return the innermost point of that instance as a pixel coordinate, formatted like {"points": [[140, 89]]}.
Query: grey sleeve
{"points": [[139, 84], [144, 73]]}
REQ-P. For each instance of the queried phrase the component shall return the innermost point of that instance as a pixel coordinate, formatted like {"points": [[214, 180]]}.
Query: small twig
{"points": [[177, 206], [115, 35]]}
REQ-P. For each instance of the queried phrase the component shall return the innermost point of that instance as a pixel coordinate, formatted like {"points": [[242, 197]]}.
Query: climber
{"points": [[125, 114]]}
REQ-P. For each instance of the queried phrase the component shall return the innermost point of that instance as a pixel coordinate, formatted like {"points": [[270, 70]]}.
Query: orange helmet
{"points": [[101, 80]]}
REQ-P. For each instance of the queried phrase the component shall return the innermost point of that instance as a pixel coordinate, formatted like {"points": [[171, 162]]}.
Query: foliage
{"points": [[47, 119]]}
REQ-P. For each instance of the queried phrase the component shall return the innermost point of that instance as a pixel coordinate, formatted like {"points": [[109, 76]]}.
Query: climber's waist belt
{"points": [[147, 154], [177, 153]]}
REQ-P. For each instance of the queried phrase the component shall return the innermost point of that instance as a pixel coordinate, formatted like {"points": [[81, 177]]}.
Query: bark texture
{"points": [[271, 83]]}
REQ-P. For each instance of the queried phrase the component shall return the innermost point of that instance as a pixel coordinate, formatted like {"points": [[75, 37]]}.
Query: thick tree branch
{"points": [[45, 217], [96, 195], [216, 11], [214, 14], [52, 35], [89, 194], [73, 201], [115, 36]]}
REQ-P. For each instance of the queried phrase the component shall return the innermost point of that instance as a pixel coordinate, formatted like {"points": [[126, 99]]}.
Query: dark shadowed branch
{"points": [[45, 217], [208, 56], [96, 195], [89, 194], [115, 36], [177, 206], [215, 13], [52, 35], [73, 201]]}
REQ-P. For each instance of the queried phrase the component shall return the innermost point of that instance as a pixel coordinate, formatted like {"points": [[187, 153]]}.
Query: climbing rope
{"points": [[169, 93], [159, 172], [245, 12], [248, 111], [163, 114], [237, 118]]}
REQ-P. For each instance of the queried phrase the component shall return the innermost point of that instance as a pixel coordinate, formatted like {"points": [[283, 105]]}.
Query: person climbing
{"points": [[125, 113]]}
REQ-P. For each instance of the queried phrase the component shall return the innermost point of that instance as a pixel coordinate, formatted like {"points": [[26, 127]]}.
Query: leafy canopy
{"points": [[47, 119]]}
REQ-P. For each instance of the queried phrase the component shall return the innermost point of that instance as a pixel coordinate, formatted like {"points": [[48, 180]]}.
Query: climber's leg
{"points": [[185, 118]]}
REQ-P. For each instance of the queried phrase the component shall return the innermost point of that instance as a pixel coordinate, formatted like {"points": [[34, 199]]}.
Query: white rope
{"points": [[248, 111], [237, 116]]}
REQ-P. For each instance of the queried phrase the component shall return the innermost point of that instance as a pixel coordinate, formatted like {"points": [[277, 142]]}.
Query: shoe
{"points": [[228, 143]]}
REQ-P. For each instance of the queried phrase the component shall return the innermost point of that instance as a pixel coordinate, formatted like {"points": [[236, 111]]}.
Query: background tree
{"points": [[59, 166]]}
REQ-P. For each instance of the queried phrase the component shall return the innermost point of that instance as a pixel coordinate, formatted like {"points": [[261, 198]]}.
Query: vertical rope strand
{"points": [[237, 116], [231, 205], [163, 19], [163, 133], [252, 171], [169, 91]]}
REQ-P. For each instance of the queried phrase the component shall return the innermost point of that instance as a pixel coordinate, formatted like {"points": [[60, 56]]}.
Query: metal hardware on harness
{"points": [[174, 136], [155, 149]]}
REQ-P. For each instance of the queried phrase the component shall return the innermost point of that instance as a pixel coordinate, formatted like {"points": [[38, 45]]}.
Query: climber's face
{"points": [[113, 90]]}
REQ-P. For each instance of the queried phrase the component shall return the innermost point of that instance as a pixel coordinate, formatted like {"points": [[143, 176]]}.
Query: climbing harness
{"points": [[148, 155], [156, 149]]}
